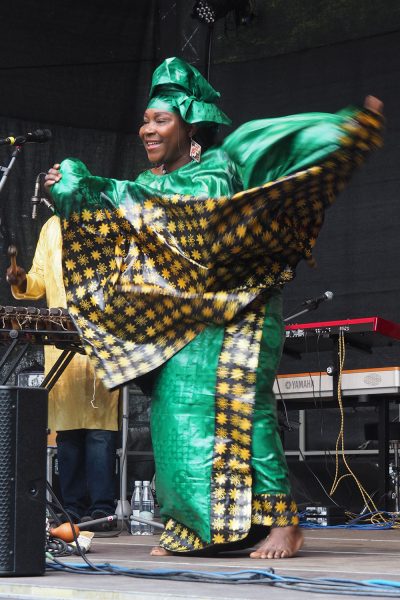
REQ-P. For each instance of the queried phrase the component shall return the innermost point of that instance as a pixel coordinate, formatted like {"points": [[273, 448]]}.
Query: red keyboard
{"points": [[363, 333]]}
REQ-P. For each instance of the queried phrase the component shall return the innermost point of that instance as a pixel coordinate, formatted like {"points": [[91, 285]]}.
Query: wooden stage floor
{"points": [[343, 554]]}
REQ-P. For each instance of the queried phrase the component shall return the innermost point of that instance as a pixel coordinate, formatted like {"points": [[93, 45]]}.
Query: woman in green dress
{"points": [[223, 254]]}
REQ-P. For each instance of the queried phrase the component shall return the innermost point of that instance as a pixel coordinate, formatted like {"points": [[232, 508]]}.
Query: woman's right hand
{"points": [[17, 277], [373, 104], [52, 176]]}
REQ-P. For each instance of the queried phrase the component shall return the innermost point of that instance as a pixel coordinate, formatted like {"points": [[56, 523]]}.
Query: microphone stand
{"points": [[47, 203], [6, 170], [123, 509], [310, 305], [38, 199]]}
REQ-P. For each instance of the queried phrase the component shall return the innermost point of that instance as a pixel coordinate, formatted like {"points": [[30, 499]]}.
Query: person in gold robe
{"points": [[81, 410]]}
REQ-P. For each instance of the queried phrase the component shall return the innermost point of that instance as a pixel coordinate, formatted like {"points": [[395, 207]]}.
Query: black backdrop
{"points": [[82, 69]]}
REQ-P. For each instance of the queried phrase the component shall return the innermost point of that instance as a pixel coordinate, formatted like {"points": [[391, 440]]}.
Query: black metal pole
{"points": [[383, 450], [6, 170], [207, 61]]}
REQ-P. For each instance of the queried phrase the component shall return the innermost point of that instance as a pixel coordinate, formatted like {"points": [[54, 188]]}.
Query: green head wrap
{"points": [[177, 86]]}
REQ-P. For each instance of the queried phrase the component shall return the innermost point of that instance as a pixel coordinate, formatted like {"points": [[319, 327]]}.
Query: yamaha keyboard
{"points": [[362, 334], [358, 382]]}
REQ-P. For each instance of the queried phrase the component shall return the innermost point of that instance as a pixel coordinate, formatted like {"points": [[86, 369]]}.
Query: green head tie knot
{"points": [[178, 87]]}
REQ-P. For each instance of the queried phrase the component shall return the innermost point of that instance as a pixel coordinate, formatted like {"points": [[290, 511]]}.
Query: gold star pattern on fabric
{"points": [[176, 539], [231, 479], [274, 510]]}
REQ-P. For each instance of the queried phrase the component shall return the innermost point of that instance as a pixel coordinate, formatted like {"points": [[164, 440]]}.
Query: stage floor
{"points": [[343, 554]]}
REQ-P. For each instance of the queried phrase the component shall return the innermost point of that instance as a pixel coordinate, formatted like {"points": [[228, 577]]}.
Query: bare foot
{"points": [[159, 551], [282, 542]]}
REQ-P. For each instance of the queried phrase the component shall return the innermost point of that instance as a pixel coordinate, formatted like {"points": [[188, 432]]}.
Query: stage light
{"points": [[209, 11]]}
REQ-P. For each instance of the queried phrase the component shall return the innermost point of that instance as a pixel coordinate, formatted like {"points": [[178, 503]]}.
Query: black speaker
{"points": [[23, 442]]}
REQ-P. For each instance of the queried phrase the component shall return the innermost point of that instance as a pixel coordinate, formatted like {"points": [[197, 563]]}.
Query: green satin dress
{"points": [[183, 272], [193, 428]]}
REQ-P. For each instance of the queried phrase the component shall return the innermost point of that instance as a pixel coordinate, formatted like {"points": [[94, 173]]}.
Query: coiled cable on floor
{"points": [[321, 585]]}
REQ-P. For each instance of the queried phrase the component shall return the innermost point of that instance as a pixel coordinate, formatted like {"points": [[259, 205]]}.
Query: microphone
{"points": [[38, 137], [315, 302], [38, 199], [35, 200]]}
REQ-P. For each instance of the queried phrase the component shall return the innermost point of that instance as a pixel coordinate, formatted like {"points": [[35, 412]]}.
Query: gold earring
{"points": [[195, 150]]}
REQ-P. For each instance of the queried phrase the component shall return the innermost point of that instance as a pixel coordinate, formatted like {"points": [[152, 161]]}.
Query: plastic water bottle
{"points": [[147, 511], [136, 504]]}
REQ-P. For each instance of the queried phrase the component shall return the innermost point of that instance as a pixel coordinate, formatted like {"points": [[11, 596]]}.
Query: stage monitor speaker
{"points": [[23, 435]]}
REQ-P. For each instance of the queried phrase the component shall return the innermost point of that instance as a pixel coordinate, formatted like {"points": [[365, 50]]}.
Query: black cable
{"points": [[57, 547], [52, 510], [373, 588], [76, 569], [78, 547], [316, 477]]}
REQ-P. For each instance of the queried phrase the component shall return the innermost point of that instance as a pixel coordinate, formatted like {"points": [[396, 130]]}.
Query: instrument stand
{"points": [[123, 509], [395, 475], [384, 436], [57, 369], [8, 354], [65, 338], [6, 170]]}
